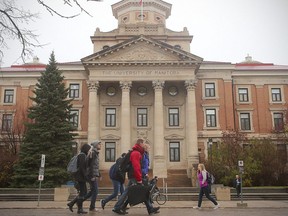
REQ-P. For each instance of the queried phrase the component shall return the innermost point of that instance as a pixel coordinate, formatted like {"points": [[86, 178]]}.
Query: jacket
{"points": [[135, 158], [81, 174], [202, 178], [145, 163], [93, 164]]}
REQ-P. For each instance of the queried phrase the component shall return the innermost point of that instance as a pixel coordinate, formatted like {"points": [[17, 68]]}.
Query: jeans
{"points": [[123, 202], [92, 193], [82, 190], [117, 187], [205, 190]]}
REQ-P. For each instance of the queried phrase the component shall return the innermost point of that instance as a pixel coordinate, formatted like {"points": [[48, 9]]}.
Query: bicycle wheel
{"points": [[161, 199]]}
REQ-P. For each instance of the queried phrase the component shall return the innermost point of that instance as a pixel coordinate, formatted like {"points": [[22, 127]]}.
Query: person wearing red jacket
{"points": [[135, 177]]}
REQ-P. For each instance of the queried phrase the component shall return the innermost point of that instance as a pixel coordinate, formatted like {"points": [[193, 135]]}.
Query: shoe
{"points": [[93, 210], [102, 203], [216, 206], [81, 211], [197, 207], [154, 210], [70, 206], [119, 211]]}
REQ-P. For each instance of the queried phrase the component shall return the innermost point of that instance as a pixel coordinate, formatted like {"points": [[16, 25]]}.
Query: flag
{"points": [[140, 2]]}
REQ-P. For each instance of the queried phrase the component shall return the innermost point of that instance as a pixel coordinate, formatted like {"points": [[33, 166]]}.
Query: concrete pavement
{"points": [[168, 204]]}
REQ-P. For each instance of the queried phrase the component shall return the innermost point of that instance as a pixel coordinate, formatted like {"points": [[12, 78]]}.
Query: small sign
{"points": [[41, 171], [43, 160], [40, 177], [240, 163]]}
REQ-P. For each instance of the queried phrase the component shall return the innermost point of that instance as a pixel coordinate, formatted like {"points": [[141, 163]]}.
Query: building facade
{"points": [[142, 81]]}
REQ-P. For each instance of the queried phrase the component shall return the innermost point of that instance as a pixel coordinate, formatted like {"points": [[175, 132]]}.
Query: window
{"points": [[7, 122], [211, 118], [243, 95], [8, 95], [142, 117], [111, 117], [110, 151], [74, 90], [276, 94], [174, 149], [278, 121], [245, 121], [173, 117], [210, 90], [74, 118]]}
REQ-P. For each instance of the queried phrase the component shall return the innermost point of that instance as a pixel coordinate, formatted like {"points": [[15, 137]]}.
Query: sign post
{"points": [[41, 175], [241, 171]]}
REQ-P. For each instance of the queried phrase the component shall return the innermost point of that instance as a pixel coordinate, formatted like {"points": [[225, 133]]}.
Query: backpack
{"points": [[72, 165], [121, 166], [124, 162], [210, 178]]}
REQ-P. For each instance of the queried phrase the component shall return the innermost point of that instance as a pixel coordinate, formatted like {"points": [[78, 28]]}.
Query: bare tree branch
{"points": [[11, 18]]}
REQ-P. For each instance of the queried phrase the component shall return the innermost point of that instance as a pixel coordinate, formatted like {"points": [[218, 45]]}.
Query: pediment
{"points": [[139, 50], [110, 137], [174, 137]]}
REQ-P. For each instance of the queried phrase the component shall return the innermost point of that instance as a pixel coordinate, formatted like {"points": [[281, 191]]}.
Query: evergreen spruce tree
{"points": [[48, 132]]}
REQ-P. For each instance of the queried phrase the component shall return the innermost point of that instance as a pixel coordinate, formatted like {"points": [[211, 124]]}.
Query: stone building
{"points": [[142, 81]]}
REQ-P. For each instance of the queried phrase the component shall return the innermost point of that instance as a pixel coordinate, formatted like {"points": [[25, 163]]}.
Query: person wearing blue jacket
{"points": [[145, 164]]}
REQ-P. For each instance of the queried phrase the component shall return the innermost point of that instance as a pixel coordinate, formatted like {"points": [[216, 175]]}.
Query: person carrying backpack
{"points": [[81, 178], [204, 187], [135, 177], [93, 174], [117, 181]]}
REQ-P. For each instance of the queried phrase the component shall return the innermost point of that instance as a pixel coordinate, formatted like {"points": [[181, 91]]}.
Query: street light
{"points": [[74, 148]]}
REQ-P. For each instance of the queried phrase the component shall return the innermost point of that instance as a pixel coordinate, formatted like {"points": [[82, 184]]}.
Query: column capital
{"points": [[126, 85], [158, 84], [93, 85], [190, 84]]}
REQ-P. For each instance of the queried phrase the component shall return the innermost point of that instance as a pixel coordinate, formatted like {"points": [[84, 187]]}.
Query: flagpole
{"points": [[141, 3]]}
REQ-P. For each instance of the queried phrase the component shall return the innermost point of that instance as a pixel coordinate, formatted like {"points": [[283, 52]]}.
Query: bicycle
{"points": [[155, 193]]}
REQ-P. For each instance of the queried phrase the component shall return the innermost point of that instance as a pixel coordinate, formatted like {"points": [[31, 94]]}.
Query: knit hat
{"points": [[95, 143], [85, 148]]}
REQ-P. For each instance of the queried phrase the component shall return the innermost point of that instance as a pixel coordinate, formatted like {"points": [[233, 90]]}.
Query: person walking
{"points": [[145, 163], [135, 178], [93, 174], [237, 185], [204, 188], [117, 182], [81, 178]]}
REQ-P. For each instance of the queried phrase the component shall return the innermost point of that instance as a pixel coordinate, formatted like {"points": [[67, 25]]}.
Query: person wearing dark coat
{"points": [[93, 174], [81, 178], [135, 178], [237, 185], [117, 181]]}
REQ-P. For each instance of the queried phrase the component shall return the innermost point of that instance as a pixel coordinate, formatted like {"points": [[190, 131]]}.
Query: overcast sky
{"points": [[223, 30]]}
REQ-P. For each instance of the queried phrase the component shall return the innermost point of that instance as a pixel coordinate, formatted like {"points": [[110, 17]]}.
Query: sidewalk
{"points": [[168, 204]]}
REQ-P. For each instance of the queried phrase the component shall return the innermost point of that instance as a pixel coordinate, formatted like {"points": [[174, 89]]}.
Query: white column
{"points": [[191, 127], [125, 116], [159, 162], [93, 111]]}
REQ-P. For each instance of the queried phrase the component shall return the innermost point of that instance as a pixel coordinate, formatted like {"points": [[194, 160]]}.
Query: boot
{"points": [[80, 207], [72, 203]]}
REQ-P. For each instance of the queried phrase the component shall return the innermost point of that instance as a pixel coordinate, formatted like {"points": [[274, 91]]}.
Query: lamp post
{"points": [[74, 148], [210, 143]]}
